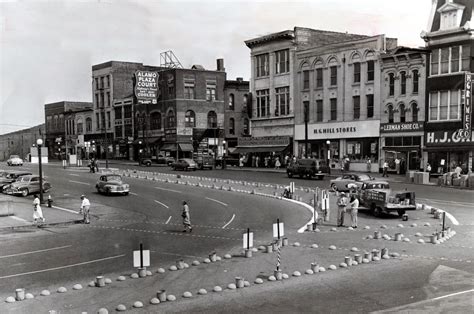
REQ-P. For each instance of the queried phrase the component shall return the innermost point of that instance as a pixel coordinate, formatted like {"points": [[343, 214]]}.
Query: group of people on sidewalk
{"points": [[345, 202], [38, 212]]}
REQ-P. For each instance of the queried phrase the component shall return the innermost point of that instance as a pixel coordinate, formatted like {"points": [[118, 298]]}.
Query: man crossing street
{"points": [[85, 206]]}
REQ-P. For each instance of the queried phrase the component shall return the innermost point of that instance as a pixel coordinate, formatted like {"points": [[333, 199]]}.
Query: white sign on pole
{"points": [[275, 230], [325, 200], [247, 237], [292, 187], [146, 258]]}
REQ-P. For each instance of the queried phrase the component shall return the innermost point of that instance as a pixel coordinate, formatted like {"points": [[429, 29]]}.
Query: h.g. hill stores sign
{"points": [[337, 130]]}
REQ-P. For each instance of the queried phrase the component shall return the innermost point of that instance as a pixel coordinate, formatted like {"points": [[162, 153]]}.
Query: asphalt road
{"points": [[151, 215]]}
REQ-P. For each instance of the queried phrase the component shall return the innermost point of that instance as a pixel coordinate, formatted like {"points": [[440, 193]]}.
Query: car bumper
{"points": [[119, 191], [12, 192]]}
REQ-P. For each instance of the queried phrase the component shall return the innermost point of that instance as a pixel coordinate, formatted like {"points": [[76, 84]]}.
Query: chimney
{"points": [[240, 79], [220, 65]]}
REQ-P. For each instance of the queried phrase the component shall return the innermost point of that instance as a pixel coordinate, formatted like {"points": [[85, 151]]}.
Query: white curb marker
{"points": [[233, 216], [214, 200], [164, 205]]}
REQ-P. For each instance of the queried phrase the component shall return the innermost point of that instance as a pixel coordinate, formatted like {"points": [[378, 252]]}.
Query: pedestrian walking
{"points": [[96, 162], [341, 209], [257, 161], [428, 167], [385, 169], [354, 210], [85, 207], [241, 162], [186, 218], [253, 161], [37, 212], [397, 165], [277, 163], [369, 164], [91, 166]]}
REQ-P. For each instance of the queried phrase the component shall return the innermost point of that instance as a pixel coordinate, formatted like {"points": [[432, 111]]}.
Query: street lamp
{"points": [[39, 143], [328, 143]]}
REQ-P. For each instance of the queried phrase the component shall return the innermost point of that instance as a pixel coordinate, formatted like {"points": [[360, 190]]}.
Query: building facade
{"points": [[337, 100], [236, 113], [450, 40], [20, 142], [402, 114]]}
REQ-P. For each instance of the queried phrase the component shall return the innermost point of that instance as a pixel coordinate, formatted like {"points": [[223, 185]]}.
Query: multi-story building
{"points": [[20, 142], [450, 40], [337, 100], [237, 122], [273, 81], [402, 113], [67, 124]]}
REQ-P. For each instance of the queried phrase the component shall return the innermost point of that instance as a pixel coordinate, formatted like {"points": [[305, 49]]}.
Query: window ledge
{"points": [[356, 84]]}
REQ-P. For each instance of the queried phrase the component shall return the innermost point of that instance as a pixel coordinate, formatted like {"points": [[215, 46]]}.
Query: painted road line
{"points": [[133, 193], [168, 221], [233, 216], [169, 190], [20, 219], [74, 174], [79, 182], [66, 210], [62, 267], [37, 251], [214, 200], [164, 205]]}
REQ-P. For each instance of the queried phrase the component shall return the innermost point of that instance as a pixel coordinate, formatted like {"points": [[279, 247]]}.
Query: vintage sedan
{"points": [[349, 181], [184, 164], [8, 177], [26, 185], [112, 184], [15, 160]]}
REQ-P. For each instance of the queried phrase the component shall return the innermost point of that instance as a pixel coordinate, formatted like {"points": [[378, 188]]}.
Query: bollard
{"points": [[161, 295], [239, 282], [285, 242], [438, 235], [20, 294], [269, 248], [309, 227], [213, 257], [100, 281], [180, 264], [358, 258], [50, 201], [315, 267], [384, 251], [433, 238], [376, 253], [142, 272], [398, 236], [368, 255], [348, 260], [377, 235], [248, 253], [278, 274]]}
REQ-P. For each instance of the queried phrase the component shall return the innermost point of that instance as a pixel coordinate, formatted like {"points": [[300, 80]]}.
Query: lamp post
{"points": [[39, 143], [328, 143], [223, 154]]}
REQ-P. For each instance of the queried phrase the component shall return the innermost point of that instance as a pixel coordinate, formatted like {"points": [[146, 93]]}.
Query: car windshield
{"points": [[23, 179], [114, 178], [363, 177], [14, 156]]}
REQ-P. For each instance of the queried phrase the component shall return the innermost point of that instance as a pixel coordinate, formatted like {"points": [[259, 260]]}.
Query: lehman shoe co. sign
{"points": [[401, 127]]}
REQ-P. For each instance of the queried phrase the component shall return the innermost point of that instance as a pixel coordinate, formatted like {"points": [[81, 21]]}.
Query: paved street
{"points": [[53, 256]]}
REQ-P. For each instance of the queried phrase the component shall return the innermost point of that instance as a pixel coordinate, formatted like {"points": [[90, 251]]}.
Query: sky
{"points": [[47, 48]]}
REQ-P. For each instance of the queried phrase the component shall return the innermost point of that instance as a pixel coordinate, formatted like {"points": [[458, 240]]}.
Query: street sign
{"points": [[465, 132], [137, 261], [278, 230], [247, 240]]}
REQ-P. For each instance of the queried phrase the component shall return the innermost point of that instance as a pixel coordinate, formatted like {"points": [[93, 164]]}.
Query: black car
{"points": [[160, 160], [308, 168]]}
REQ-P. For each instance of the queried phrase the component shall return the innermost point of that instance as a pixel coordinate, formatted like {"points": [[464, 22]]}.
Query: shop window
{"points": [[356, 103], [407, 141], [391, 84], [397, 141], [389, 141], [415, 80], [417, 140]]}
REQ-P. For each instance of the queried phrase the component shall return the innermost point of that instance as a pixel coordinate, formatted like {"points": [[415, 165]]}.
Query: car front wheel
{"points": [[334, 187], [25, 192]]}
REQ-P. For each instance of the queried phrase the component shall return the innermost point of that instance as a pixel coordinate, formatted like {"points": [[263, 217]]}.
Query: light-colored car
{"points": [[26, 185], [112, 184], [349, 181], [15, 160], [184, 164]]}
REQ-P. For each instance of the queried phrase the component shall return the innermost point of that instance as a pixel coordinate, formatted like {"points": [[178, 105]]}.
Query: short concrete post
{"points": [[438, 235], [376, 253], [309, 227], [142, 272], [20, 294], [285, 242], [398, 237], [315, 267], [268, 248], [278, 274], [368, 255], [433, 238], [239, 282], [348, 260], [180, 264], [100, 281], [275, 246], [213, 257], [161, 295], [443, 234], [248, 253], [358, 258], [377, 235], [384, 251]]}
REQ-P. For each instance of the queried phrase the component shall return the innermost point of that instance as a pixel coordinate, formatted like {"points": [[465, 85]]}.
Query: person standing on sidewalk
{"points": [[85, 207], [385, 169], [354, 210], [37, 212], [186, 218], [341, 209]]}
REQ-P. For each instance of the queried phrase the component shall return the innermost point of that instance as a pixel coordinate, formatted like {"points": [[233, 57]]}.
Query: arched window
{"points": [[231, 126], [414, 112], [391, 84], [88, 125], [56, 122], [403, 83], [212, 120], [155, 121], [170, 119], [246, 129], [415, 81], [190, 119], [402, 112], [390, 113], [231, 101]]}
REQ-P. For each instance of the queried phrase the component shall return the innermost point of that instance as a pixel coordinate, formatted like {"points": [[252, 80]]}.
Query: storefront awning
{"points": [[186, 147], [259, 149]]}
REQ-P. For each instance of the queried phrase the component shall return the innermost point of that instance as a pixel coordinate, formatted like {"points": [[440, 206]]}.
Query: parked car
{"points": [[8, 177], [160, 160], [184, 164], [308, 168], [205, 162], [25, 185], [349, 181], [112, 184], [379, 198], [15, 160]]}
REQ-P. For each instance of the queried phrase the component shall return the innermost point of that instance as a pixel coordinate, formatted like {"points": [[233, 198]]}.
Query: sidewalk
{"points": [[17, 212]]}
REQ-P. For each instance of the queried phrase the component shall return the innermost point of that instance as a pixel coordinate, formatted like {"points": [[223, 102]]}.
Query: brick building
{"points": [[20, 142]]}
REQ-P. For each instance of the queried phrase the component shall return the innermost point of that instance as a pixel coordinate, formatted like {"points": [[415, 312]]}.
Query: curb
{"points": [[39, 226]]}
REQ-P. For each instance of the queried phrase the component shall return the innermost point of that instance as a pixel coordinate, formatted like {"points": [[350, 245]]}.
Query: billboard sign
{"points": [[146, 87]]}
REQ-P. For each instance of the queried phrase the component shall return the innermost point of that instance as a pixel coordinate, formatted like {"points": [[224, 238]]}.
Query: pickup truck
{"points": [[160, 159], [379, 198]]}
